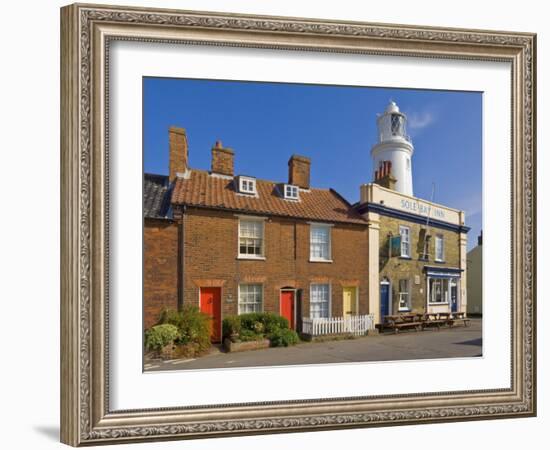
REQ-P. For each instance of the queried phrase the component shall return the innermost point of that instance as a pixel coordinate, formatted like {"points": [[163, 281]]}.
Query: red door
{"points": [[287, 306], [211, 305]]}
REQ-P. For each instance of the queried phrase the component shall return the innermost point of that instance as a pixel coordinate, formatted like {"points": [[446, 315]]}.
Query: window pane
{"points": [[439, 248], [250, 298], [405, 240], [319, 242], [250, 237], [319, 300]]}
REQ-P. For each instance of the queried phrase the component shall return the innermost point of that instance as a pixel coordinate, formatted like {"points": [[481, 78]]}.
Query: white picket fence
{"points": [[356, 325]]}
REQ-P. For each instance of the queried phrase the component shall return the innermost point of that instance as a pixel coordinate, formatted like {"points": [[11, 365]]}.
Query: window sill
{"points": [[438, 303], [252, 258], [439, 261], [405, 257], [320, 260], [404, 310]]}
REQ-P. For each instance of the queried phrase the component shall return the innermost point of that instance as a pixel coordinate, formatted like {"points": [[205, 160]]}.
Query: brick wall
{"points": [[397, 268], [211, 239], [160, 268]]}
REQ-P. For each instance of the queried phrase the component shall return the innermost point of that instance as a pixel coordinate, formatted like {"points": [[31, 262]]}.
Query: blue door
{"points": [[384, 300], [454, 296]]}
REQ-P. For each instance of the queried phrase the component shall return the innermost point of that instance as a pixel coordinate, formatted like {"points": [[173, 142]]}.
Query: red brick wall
{"points": [[210, 259], [160, 268]]}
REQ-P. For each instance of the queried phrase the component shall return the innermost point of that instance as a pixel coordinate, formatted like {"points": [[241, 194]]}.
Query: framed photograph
{"points": [[276, 224]]}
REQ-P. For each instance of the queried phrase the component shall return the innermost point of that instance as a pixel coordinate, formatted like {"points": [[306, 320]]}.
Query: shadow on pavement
{"points": [[477, 342]]}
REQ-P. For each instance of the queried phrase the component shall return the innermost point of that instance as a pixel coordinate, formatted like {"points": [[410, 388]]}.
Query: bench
{"points": [[400, 321], [419, 321], [460, 316], [429, 320]]}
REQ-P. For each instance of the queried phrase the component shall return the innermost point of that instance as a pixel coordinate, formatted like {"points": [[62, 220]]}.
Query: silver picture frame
{"points": [[86, 34]]}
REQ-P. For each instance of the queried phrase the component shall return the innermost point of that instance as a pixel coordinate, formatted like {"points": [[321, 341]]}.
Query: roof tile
{"points": [[201, 189]]}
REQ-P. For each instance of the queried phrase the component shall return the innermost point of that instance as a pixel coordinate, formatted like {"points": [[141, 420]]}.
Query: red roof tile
{"points": [[204, 190]]}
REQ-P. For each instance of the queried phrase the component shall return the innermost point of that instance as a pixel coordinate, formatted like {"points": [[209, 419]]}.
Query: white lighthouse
{"points": [[394, 149]]}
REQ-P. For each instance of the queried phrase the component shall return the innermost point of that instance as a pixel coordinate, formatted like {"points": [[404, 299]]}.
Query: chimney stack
{"points": [[298, 171], [178, 152], [384, 177], [222, 160]]}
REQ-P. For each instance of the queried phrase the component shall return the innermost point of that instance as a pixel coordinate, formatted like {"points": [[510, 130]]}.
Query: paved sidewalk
{"points": [[458, 341]]}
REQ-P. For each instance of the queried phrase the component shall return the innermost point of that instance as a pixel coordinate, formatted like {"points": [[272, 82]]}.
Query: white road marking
{"points": [[181, 361]]}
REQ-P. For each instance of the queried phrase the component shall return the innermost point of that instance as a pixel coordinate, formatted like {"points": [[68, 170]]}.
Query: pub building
{"points": [[418, 246]]}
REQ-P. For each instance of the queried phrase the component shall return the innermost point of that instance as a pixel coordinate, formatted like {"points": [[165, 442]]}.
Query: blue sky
{"points": [[335, 126]]}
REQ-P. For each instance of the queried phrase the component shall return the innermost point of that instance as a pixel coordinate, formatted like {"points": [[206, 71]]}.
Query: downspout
{"points": [[181, 259]]}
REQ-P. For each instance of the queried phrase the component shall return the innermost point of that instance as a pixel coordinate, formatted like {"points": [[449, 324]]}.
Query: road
{"points": [[458, 341]]}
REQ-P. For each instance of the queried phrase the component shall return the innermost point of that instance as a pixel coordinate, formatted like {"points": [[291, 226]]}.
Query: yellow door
{"points": [[350, 301]]}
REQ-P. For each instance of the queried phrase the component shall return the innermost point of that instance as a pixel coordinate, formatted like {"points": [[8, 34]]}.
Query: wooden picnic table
{"points": [[461, 316], [404, 320], [433, 319], [421, 321]]}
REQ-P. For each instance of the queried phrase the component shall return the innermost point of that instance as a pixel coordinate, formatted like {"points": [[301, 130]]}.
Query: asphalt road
{"points": [[458, 341]]}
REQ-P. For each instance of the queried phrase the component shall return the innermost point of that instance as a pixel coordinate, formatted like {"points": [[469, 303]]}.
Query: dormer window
{"points": [[247, 185], [291, 192]]}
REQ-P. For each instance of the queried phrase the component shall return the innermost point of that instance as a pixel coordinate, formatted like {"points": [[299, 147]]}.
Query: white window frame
{"points": [[329, 303], [291, 192], [247, 185], [328, 227], [408, 241], [260, 220], [239, 297], [400, 293], [445, 291], [439, 238]]}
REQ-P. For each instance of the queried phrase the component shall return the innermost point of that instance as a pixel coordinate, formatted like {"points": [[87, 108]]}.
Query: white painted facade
{"points": [[394, 145]]}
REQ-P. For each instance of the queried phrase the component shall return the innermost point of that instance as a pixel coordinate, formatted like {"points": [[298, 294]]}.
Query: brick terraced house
{"points": [[232, 244]]}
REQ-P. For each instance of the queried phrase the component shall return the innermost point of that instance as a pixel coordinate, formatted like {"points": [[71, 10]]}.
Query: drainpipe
{"points": [[181, 257]]}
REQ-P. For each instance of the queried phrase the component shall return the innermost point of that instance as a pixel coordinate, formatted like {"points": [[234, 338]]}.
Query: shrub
{"points": [[248, 335], [159, 336], [231, 325], [273, 322], [263, 322], [249, 320], [193, 326], [283, 338], [170, 316]]}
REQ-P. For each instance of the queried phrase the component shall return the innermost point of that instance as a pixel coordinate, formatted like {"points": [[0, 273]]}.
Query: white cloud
{"points": [[419, 120]]}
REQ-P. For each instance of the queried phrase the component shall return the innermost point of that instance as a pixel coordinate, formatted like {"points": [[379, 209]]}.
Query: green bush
{"points": [[159, 336], [274, 322], [248, 335], [193, 326], [252, 326], [231, 325], [263, 322], [283, 338]]}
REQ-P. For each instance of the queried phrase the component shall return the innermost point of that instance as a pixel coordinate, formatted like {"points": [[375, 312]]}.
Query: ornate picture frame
{"points": [[86, 34]]}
